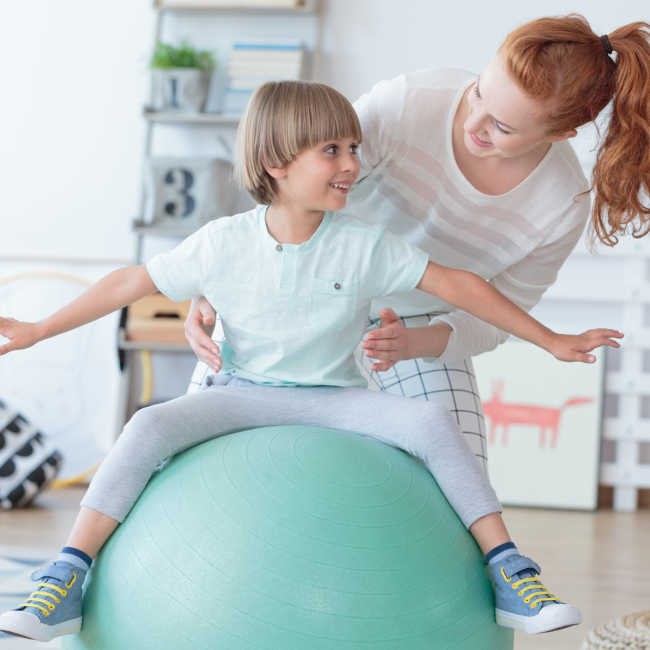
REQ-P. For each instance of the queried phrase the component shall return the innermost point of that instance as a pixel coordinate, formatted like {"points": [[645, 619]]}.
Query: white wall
{"points": [[365, 41], [73, 79]]}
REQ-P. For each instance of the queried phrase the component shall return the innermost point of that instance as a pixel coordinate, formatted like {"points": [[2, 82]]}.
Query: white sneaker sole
{"points": [[29, 626], [551, 617]]}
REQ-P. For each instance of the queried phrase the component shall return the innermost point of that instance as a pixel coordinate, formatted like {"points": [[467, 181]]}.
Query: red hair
{"points": [[563, 61]]}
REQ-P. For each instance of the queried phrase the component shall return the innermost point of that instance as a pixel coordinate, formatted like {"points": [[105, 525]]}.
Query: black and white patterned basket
{"points": [[28, 461]]}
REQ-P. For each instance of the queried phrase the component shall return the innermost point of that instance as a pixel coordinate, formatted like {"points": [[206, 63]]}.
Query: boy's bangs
{"points": [[325, 115]]}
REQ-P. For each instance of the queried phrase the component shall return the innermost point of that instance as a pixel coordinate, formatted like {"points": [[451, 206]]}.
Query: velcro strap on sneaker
{"points": [[516, 563], [64, 574]]}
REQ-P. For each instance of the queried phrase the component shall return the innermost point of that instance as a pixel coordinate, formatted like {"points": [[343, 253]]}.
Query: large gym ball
{"points": [[291, 538]]}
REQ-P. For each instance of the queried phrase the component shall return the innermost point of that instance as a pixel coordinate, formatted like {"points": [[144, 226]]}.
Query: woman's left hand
{"points": [[568, 347], [388, 343], [393, 342]]}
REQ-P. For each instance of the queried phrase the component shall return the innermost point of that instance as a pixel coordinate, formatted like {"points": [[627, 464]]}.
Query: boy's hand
{"points": [[568, 347], [20, 334], [201, 318]]}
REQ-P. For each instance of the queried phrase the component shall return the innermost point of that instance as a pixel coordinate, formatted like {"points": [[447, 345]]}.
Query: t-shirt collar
{"points": [[304, 246]]}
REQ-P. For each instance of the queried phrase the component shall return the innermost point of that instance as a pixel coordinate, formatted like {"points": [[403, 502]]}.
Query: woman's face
{"points": [[501, 120]]}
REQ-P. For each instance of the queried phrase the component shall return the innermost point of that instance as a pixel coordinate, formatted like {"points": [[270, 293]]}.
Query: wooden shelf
{"points": [[170, 117], [308, 8], [146, 228], [154, 346]]}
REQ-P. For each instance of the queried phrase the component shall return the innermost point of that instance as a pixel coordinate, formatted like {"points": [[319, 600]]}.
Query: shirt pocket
{"points": [[333, 300]]}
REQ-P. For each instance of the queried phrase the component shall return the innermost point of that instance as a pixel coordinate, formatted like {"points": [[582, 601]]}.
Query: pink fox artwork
{"points": [[547, 418]]}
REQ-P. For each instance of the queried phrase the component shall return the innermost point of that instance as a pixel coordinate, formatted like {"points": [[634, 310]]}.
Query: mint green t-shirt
{"points": [[292, 314]]}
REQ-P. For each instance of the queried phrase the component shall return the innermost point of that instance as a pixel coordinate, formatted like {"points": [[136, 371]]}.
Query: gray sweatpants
{"points": [[423, 429]]}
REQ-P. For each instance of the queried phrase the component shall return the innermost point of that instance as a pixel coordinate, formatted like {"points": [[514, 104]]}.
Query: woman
{"points": [[479, 173]]}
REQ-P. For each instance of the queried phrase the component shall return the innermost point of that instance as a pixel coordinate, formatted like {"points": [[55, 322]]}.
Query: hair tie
{"points": [[604, 39]]}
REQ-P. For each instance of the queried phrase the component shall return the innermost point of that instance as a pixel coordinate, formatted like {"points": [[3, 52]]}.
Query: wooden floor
{"points": [[599, 562]]}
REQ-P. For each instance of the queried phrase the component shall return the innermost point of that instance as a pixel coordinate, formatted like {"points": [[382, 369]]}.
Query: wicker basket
{"points": [[630, 632]]}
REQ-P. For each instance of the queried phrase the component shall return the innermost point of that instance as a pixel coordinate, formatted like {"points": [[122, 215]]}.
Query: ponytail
{"points": [[621, 175], [563, 61]]}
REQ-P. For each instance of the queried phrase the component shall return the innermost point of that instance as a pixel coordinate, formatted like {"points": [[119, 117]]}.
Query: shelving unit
{"points": [[245, 15], [174, 24]]}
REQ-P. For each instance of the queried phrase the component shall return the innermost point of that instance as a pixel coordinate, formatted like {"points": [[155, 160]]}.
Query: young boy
{"points": [[292, 282]]}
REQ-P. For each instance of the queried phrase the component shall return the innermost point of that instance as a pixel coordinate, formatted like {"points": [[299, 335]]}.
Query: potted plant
{"points": [[180, 77]]}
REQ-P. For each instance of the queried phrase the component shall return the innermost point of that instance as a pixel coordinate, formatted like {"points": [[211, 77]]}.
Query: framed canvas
{"points": [[543, 424]]}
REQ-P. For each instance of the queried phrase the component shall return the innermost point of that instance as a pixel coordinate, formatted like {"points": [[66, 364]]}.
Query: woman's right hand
{"points": [[199, 324], [20, 334]]}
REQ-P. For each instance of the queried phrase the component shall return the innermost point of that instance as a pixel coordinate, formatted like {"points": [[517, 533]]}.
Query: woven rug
{"points": [[630, 632]]}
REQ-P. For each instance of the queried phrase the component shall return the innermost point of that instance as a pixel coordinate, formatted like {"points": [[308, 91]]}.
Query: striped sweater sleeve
{"points": [[524, 283]]}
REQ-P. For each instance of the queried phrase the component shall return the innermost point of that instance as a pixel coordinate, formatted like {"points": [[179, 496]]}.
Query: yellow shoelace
{"points": [[540, 596], [34, 599]]}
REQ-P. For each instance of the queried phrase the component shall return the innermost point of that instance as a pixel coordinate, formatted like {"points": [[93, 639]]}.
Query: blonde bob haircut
{"points": [[282, 119]]}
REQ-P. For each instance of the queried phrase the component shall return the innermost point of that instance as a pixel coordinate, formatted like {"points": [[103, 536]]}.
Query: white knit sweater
{"points": [[410, 182]]}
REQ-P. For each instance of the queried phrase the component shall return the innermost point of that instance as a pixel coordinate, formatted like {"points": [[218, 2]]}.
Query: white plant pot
{"points": [[180, 89]]}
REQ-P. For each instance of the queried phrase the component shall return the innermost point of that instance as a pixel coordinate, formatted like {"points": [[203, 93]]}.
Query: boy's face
{"points": [[320, 177]]}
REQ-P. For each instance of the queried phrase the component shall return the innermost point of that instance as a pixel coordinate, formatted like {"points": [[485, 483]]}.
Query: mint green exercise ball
{"points": [[290, 538]]}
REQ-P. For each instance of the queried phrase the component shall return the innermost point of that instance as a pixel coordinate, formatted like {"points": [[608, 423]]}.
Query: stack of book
{"points": [[252, 63]]}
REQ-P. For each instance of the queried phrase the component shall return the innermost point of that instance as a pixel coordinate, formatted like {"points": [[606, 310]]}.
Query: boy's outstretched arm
{"points": [[474, 295], [118, 289]]}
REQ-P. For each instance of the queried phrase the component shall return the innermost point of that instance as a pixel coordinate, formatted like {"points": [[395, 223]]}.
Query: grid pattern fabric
{"points": [[452, 384]]}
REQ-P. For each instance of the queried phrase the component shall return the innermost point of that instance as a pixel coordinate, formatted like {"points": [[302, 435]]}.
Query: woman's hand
{"points": [[569, 347], [20, 334], [393, 342], [199, 325], [388, 343]]}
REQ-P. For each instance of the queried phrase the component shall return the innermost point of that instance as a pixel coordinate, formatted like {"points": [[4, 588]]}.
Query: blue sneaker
{"points": [[53, 609], [523, 602]]}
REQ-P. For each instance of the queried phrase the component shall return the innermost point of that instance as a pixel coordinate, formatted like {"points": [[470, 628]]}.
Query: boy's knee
{"points": [[427, 423], [143, 439], [146, 421], [432, 414]]}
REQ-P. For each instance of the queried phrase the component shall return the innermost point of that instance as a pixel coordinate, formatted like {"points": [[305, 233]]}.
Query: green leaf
{"points": [[183, 56]]}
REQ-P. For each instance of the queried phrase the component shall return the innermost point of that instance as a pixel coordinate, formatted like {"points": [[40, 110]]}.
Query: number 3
{"points": [[181, 180]]}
